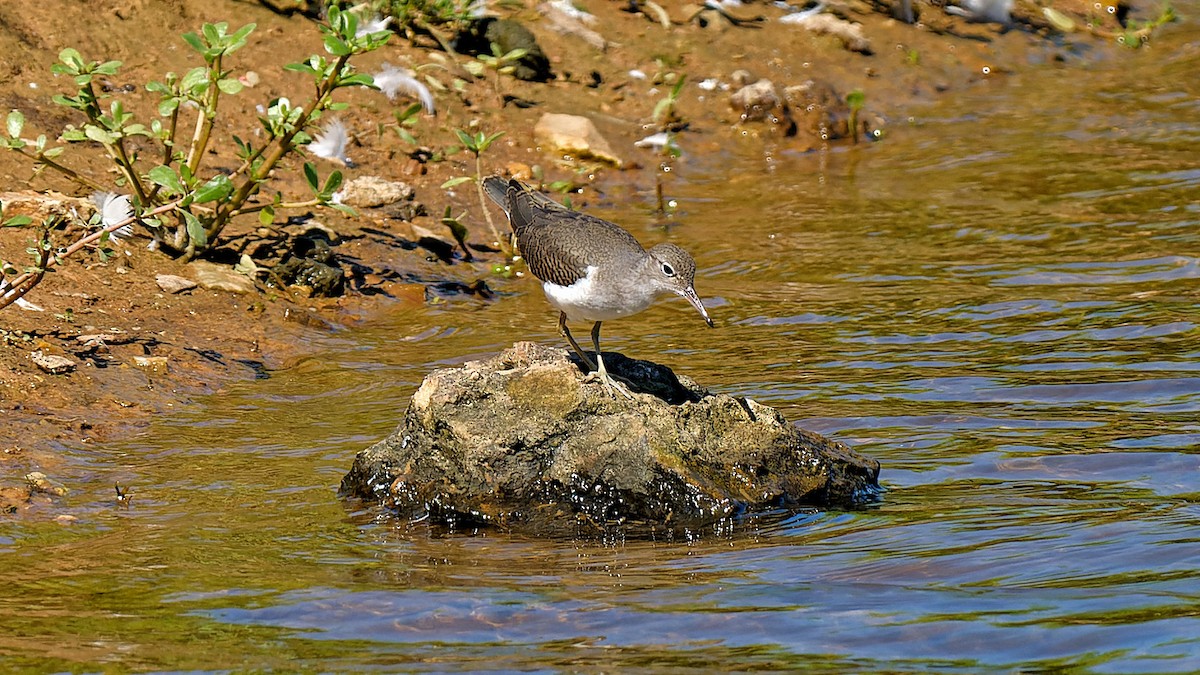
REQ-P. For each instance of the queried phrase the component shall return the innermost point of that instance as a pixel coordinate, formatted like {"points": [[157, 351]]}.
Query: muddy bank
{"points": [[140, 350]]}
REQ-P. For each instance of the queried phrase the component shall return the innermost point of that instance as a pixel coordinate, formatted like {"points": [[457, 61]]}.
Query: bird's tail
{"points": [[520, 202]]}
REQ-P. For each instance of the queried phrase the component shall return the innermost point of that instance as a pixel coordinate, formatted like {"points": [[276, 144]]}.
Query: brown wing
{"points": [[559, 244]]}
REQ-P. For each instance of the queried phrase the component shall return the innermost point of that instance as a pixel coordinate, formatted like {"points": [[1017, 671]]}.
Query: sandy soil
{"points": [[139, 351]]}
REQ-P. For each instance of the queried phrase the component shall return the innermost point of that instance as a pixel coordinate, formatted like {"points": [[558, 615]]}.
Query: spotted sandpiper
{"points": [[591, 269]]}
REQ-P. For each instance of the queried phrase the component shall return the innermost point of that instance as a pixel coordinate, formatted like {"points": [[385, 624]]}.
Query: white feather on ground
{"points": [[374, 24], [572, 11], [393, 81], [114, 208], [331, 141], [659, 140], [802, 16], [984, 11]]}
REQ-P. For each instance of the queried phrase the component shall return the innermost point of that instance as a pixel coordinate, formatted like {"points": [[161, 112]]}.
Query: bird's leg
{"points": [[566, 332], [608, 380]]}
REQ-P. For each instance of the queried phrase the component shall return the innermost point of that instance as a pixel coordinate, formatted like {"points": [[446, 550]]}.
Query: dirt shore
{"points": [[138, 350]]}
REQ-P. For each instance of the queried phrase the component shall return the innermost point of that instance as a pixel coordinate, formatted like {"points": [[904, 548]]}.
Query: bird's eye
{"points": [[668, 270]]}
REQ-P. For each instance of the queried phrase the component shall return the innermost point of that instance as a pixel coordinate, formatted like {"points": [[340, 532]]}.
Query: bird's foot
{"points": [[614, 385]]}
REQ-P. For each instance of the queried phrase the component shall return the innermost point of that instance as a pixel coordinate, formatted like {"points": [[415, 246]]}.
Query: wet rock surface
{"points": [[313, 265], [525, 441]]}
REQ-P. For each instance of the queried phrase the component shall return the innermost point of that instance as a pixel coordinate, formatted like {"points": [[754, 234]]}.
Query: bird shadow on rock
{"points": [[647, 377]]}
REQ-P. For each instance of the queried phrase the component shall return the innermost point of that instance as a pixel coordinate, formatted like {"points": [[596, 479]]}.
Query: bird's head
{"points": [[673, 270]]}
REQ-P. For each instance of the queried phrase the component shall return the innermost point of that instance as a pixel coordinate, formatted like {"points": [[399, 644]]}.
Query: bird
{"points": [[591, 269]]}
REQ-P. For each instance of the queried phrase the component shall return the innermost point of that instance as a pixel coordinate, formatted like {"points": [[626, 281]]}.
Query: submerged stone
{"points": [[525, 441]]}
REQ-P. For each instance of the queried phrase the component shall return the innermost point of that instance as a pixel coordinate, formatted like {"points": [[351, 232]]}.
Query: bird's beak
{"points": [[690, 294]]}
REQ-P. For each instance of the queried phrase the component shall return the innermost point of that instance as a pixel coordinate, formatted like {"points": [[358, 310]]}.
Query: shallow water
{"points": [[998, 302]]}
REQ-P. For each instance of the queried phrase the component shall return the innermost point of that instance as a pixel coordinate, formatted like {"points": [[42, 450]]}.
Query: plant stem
{"points": [[169, 144], [282, 205], [168, 153], [205, 116], [249, 161], [437, 35], [68, 172], [130, 174], [487, 215], [658, 191]]}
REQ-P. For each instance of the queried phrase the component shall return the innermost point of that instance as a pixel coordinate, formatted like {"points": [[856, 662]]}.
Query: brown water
{"points": [[999, 302]]}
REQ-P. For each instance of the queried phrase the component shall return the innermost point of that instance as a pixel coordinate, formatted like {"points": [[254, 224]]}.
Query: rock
{"points": [[574, 135], [741, 78], [851, 34], [372, 191], [821, 112], [221, 278], [519, 170], [155, 364], [755, 100], [407, 293], [173, 284], [523, 440], [39, 482], [52, 363], [760, 101], [96, 340], [405, 211], [984, 11], [13, 498], [312, 264], [479, 36]]}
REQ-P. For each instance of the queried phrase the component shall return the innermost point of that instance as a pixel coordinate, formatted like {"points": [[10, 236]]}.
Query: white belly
{"points": [[580, 302]]}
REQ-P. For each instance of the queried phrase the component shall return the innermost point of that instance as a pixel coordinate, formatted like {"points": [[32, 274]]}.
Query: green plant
{"points": [[41, 249], [477, 145], [666, 113], [185, 206], [458, 230], [420, 14], [855, 100], [405, 120], [563, 187], [670, 151], [498, 63], [1138, 32], [433, 18]]}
